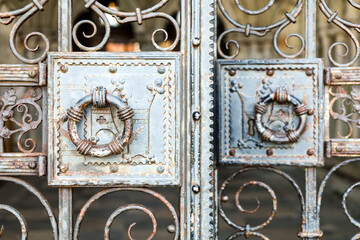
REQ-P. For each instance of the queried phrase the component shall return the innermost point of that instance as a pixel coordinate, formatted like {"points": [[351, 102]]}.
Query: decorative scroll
{"points": [[345, 107], [174, 229], [248, 230], [19, 216], [125, 17], [25, 13], [347, 27], [248, 30], [11, 104], [345, 196]]}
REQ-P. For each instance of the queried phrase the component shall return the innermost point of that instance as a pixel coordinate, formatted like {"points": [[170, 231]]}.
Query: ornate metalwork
{"points": [[345, 107], [125, 17], [18, 215], [11, 104], [100, 98], [345, 195], [25, 13], [347, 27], [247, 230], [281, 95], [248, 30], [129, 207], [247, 126], [149, 84]]}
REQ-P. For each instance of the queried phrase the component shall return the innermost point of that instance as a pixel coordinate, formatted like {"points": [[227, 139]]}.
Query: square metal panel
{"points": [[146, 82], [287, 98]]}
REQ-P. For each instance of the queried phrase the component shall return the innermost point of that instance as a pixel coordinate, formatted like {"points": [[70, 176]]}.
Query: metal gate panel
{"points": [[291, 131], [149, 84]]}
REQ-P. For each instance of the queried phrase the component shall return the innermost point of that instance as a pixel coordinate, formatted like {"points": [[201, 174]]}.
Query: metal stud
{"points": [[196, 115], [196, 188]]}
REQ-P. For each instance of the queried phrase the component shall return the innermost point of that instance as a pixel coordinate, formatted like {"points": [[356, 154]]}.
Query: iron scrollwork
{"points": [[346, 26], [174, 229], [20, 217], [125, 17], [345, 195], [25, 13], [349, 108], [248, 30], [248, 230], [10, 104]]}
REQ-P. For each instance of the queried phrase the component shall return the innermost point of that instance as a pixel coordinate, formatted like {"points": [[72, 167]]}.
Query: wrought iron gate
{"points": [[179, 115]]}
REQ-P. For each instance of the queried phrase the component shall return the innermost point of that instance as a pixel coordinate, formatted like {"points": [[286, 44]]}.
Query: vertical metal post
{"points": [[311, 228], [310, 29], [65, 194], [200, 197]]}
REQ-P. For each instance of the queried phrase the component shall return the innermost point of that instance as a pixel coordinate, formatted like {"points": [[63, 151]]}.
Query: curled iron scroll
{"points": [[247, 230], [18, 215], [345, 195], [129, 207], [346, 26], [281, 96], [100, 98], [125, 17], [260, 31], [25, 13]]}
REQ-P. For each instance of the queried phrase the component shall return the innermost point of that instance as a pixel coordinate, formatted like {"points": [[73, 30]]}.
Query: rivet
{"points": [[310, 112], [114, 168], [32, 165], [196, 115], [270, 72], [63, 168], [112, 69], [171, 228], [160, 169], [32, 74], [269, 152], [338, 75], [225, 198], [309, 72], [196, 41], [232, 152], [64, 68], [232, 72], [339, 149], [310, 151], [196, 188], [161, 70]]}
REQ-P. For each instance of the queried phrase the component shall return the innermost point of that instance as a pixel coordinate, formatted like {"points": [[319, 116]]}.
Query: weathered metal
{"points": [[100, 98], [172, 96], [143, 158], [249, 128]]}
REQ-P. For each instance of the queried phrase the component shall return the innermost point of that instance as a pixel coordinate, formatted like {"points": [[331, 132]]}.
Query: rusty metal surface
{"points": [[247, 138], [21, 119], [22, 75], [342, 148], [148, 83]]}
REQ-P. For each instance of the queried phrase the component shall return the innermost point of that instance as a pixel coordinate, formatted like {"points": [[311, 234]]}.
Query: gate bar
{"points": [[311, 228], [65, 194]]}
